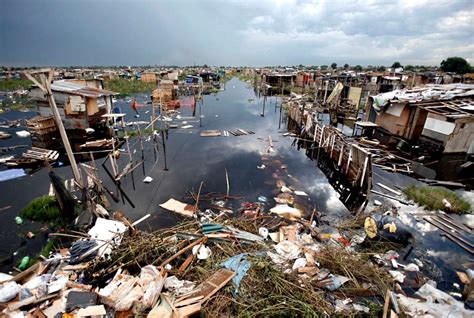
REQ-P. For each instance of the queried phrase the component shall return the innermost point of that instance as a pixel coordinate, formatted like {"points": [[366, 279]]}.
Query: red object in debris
{"points": [[135, 104], [188, 101], [344, 241], [172, 104]]}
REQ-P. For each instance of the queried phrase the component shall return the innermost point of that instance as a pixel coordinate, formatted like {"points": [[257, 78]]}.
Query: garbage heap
{"points": [[254, 264]]}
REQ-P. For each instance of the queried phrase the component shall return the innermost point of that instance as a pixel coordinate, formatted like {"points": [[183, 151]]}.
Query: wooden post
{"points": [[326, 91], [45, 86]]}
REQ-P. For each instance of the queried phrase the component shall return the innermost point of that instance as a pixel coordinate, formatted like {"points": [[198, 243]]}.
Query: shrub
{"points": [[45, 208], [432, 198]]}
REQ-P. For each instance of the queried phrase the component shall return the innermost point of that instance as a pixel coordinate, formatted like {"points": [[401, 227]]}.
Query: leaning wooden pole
{"points": [[45, 86]]}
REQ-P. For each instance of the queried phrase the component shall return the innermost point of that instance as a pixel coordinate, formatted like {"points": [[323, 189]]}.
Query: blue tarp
{"points": [[11, 174], [239, 264]]}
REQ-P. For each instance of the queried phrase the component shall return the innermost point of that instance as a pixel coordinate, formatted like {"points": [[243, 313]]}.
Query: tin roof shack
{"points": [[81, 105], [149, 77], [168, 91], [441, 117], [468, 78], [280, 83], [304, 78]]}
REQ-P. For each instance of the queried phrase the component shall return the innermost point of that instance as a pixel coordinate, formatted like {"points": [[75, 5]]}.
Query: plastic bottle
{"points": [[24, 263]]}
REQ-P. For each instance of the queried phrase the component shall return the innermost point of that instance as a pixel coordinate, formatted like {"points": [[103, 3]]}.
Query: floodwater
{"points": [[191, 159]]}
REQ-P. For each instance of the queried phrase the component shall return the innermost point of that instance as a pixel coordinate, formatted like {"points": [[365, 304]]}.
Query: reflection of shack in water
{"points": [[347, 166]]}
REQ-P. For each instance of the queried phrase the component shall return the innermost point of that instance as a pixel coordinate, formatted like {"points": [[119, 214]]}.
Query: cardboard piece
{"points": [[178, 207]]}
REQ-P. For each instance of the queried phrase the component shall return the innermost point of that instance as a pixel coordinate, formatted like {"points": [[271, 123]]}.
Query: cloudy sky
{"points": [[247, 32]]}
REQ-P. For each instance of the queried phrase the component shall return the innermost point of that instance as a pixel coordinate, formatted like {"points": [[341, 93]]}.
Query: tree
{"points": [[324, 67], [333, 66], [358, 68], [346, 66], [396, 65], [409, 68], [455, 64], [381, 68]]}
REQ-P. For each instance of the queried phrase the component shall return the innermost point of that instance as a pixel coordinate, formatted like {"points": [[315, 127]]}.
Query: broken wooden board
{"points": [[211, 133], [189, 310], [96, 310], [212, 285], [178, 207], [55, 308]]}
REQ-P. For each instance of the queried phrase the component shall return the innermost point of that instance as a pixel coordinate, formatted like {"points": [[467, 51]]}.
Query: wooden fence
{"points": [[352, 160], [349, 158]]}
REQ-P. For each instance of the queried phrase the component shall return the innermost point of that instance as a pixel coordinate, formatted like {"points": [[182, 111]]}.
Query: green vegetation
{"points": [[396, 65], [17, 103], [456, 64], [244, 78], [47, 248], [144, 132], [14, 84], [432, 198], [45, 208], [128, 87]]}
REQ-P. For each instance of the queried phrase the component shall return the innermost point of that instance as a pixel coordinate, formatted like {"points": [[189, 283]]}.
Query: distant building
{"points": [[149, 77]]}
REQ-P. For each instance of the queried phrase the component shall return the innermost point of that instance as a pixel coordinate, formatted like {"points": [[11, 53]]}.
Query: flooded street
{"points": [[192, 159]]}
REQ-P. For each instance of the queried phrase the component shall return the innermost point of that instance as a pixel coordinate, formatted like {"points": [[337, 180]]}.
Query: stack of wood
{"points": [[33, 157], [43, 130]]}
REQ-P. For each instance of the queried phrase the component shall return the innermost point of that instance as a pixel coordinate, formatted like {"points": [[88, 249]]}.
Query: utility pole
{"points": [[45, 85]]}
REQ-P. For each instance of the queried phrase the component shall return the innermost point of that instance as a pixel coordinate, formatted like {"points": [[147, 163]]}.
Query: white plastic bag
{"points": [[8, 291]]}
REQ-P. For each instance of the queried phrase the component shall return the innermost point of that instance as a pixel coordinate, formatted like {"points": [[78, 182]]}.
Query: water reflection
{"points": [[192, 159]]}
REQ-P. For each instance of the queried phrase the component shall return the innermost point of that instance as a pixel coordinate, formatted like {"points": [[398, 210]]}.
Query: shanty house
{"points": [[440, 116], [149, 77], [81, 105]]}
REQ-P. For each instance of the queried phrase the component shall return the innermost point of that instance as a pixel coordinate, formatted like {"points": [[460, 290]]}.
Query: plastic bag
{"points": [[152, 281], [8, 291]]}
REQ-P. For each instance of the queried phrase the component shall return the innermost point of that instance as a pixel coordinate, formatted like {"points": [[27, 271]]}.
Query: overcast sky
{"points": [[249, 32]]}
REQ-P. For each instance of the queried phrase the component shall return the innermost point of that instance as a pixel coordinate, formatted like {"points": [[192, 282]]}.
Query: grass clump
{"points": [[432, 199], [14, 84], [128, 87], [45, 208]]}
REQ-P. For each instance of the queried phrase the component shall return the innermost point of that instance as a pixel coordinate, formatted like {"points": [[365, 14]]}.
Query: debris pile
{"points": [[247, 264]]}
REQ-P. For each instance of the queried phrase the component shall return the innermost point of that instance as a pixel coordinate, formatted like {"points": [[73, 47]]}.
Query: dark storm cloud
{"points": [[111, 32]]}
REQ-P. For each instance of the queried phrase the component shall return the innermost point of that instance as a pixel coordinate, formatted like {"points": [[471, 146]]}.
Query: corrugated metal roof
{"points": [[79, 89]]}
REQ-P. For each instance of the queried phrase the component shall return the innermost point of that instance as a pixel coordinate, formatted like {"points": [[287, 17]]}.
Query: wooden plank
{"points": [[454, 233], [460, 244], [29, 301], [452, 225], [388, 188], [212, 285], [211, 133], [386, 304], [188, 301]]}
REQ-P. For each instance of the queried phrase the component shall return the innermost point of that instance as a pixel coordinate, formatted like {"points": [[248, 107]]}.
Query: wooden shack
{"points": [[149, 77], [440, 117], [80, 104]]}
